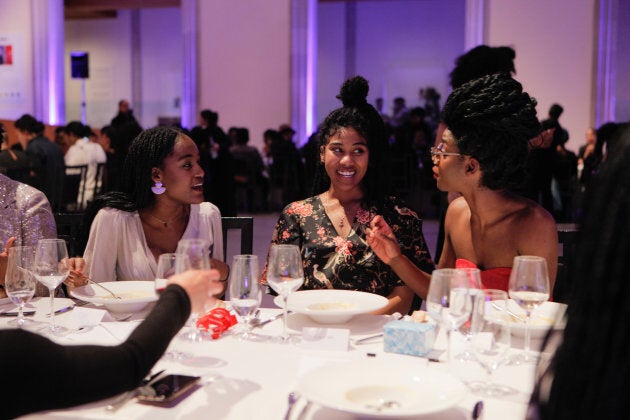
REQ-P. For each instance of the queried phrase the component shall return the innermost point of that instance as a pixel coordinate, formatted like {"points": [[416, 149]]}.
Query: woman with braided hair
{"points": [[350, 189], [159, 202], [483, 155]]}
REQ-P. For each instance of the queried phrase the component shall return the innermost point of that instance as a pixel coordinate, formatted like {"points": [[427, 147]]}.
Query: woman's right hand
{"points": [[382, 240]]}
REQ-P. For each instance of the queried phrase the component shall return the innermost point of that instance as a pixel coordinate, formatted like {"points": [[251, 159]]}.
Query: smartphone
{"points": [[170, 387]]}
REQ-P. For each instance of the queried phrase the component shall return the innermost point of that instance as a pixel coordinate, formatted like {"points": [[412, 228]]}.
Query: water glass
{"points": [[166, 267], [285, 274], [529, 288], [491, 339], [448, 302], [197, 252], [19, 281], [51, 267], [245, 293]]}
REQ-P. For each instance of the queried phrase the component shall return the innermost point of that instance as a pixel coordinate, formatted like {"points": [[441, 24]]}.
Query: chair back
{"points": [[567, 243], [246, 227], [72, 190], [69, 227]]}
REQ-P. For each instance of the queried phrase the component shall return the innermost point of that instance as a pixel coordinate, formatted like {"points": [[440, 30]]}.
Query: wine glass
{"points": [[448, 302], [529, 288], [166, 267], [469, 278], [198, 253], [19, 281], [51, 269], [285, 274], [490, 341], [245, 294]]}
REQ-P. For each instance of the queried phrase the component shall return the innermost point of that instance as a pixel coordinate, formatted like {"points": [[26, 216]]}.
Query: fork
{"points": [[104, 288]]}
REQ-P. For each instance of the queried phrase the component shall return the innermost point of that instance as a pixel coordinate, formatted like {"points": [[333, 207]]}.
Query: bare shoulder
{"points": [[458, 208], [535, 223]]}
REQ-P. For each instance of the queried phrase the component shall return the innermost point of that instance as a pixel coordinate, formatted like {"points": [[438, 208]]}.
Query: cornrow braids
{"points": [[493, 119], [358, 114]]}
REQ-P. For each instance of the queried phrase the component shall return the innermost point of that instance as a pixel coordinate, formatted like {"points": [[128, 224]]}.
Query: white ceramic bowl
{"points": [[365, 387], [546, 316], [331, 306], [135, 295]]}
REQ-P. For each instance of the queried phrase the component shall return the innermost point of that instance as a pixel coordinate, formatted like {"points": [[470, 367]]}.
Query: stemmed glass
{"points": [[448, 302], [469, 278], [285, 274], [529, 287], [19, 281], [198, 253], [51, 269], [490, 341], [166, 267], [245, 294]]}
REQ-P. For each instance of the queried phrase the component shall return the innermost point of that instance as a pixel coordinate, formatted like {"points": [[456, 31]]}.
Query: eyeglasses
{"points": [[437, 153]]}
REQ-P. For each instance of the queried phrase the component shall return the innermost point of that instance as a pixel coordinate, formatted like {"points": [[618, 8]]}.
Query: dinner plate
{"points": [[332, 306], [546, 316], [135, 294], [402, 387]]}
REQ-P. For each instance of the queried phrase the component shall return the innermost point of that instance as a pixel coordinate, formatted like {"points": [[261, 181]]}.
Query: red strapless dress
{"points": [[492, 278]]}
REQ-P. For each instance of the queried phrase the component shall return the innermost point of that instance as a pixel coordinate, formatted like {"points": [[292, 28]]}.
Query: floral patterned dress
{"points": [[332, 261]]}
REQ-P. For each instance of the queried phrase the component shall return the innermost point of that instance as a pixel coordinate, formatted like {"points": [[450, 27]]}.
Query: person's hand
{"points": [[382, 240], [200, 285], [4, 257], [76, 278]]}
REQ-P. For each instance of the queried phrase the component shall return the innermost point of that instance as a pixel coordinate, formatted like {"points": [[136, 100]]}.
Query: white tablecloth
{"points": [[250, 380]]}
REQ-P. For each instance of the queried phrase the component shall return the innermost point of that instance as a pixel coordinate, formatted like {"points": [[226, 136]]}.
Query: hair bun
{"points": [[354, 92]]}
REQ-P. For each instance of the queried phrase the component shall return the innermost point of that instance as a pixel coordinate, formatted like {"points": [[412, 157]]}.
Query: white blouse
{"points": [[117, 248]]}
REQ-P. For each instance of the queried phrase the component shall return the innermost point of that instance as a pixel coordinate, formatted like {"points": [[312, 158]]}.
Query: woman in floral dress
{"points": [[330, 227]]}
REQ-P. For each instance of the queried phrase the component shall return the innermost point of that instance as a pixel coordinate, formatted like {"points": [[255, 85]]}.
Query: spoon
{"points": [[104, 288]]}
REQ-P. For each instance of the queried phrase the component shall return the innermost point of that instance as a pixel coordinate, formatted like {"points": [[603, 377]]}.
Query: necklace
{"points": [[341, 222], [165, 223]]}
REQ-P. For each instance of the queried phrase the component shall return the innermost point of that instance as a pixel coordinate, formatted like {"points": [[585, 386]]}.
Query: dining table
{"points": [[261, 379]]}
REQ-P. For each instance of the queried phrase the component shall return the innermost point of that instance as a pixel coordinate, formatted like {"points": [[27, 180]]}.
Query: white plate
{"points": [[135, 295], [360, 387], [546, 316], [331, 306]]}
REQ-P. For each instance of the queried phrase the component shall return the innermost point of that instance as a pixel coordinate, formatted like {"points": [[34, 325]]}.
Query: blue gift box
{"points": [[407, 337]]}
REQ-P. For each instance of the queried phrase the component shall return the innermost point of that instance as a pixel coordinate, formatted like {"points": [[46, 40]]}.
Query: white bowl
{"points": [[331, 306], [364, 388], [135, 295], [546, 316]]}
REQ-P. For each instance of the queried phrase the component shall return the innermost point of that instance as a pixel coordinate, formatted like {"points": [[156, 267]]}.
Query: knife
{"points": [[256, 324], [32, 312]]}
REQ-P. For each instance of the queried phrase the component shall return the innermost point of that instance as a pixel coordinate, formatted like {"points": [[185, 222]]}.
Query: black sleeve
{"points": [[38, 374]]}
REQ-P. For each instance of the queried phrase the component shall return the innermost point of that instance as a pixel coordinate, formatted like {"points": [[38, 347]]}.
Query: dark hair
{"points": [[493, 120], [29, 124], [480, 61], [357, 113], [242, 135], [592, 368], [555, 111], [147, 151], [76, 127]]}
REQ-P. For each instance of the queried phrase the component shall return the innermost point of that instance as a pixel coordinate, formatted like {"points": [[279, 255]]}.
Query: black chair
{"points": [[567, 240], [69, 227], [246, 226], [72, 190]]}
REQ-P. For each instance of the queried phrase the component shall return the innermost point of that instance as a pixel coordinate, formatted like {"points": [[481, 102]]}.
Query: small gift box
{"points": [[408, 337]]}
